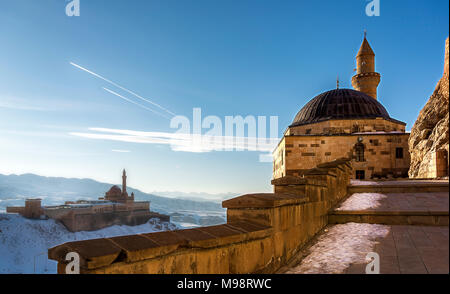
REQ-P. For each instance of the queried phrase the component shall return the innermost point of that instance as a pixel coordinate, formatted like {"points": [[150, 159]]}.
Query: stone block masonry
{"points": [[263, 232]]}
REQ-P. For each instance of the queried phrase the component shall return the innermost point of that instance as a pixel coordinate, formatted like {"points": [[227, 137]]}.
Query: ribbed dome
{"points": [[340, 104]]}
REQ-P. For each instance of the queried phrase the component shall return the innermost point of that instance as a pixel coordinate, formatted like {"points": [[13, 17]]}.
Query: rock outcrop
{"points": [[429, 140]]}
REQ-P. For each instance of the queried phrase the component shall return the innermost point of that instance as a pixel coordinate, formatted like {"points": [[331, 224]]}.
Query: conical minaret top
{"points": [[365, 49], [366, 79]]}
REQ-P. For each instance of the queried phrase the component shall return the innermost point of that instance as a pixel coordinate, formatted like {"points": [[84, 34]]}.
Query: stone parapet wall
{"points": [[32, 209], [143, 205], [75, 221], [15, 209], [56, 212], [263, 232], [95, 217]]}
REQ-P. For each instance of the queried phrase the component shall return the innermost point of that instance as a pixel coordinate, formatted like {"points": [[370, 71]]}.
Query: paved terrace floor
{"points": [[342, 249], [403, 249]]}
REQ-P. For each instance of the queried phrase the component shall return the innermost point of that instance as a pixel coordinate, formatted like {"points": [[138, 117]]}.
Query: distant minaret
{"points": [[124, 182], [366, 79]]}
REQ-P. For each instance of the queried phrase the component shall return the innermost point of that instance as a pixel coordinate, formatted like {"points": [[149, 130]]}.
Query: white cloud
{"points": [[19, 104], [182, 142]]}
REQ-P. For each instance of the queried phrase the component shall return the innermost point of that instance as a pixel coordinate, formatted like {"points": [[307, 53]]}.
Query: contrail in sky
{"points": [[123, 88], [131, 101]]}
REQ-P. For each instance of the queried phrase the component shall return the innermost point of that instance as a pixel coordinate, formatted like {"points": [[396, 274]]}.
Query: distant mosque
{"points": [[116, 208], [117, 195], [348, 123]]}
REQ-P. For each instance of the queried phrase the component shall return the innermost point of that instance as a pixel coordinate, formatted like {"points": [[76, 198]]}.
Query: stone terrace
{"points": [[405, 222], [395, 203], [411, 250], [402, 250], [267, 233]]}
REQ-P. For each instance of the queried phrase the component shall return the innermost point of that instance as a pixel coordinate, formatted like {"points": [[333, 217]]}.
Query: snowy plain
{"points": [[24, 242]]}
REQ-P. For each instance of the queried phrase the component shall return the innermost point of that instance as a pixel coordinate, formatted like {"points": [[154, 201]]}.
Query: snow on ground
{"points": [[362, 201], [24, 242], [339, 247]]}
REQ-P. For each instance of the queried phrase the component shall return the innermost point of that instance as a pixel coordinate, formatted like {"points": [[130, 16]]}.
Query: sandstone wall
{"points": [[347, 126], [263, 232], [295, 154], [76, 221], [13, 209], [429, 140]]}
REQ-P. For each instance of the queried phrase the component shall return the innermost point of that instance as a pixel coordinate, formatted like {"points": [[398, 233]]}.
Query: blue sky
{"points": [[246, 57]]}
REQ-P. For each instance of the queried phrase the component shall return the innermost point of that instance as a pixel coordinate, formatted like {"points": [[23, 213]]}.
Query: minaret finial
{"points": [[365, 33]]}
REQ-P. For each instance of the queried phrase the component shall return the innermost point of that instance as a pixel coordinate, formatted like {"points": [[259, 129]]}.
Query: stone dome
{"points": [[114, 191], [340, 104]]}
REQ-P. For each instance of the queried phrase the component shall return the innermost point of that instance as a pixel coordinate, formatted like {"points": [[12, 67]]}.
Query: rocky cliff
{"points": [[430, 135]]}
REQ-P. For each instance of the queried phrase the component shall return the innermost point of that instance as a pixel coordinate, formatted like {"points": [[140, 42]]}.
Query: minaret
{"points": [[124, 183], [366, 79]]}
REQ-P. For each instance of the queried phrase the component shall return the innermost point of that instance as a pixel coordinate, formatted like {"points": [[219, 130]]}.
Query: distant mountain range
{"points": [[196, 211], [197, 196]]}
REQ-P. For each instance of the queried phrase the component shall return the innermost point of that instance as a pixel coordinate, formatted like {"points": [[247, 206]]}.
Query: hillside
{"points": [[24, 242], [14, 189]]}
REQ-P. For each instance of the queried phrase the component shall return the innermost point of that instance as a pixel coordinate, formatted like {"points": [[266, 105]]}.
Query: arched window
{"points": [[359, 150]]}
